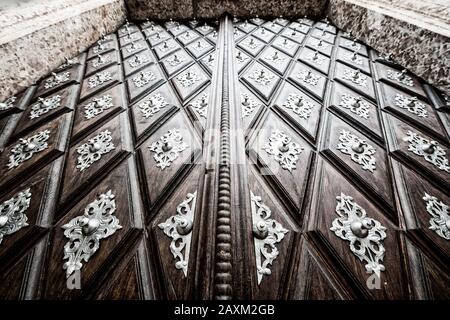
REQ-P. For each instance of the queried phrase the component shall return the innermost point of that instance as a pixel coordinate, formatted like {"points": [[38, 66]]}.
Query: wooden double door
{"points": [[235, 159]]}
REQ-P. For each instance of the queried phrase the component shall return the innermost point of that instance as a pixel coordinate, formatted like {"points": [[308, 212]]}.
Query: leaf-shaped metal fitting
{"points": [[355, 104], [168, 148], [411, 104], [299, 105], [241, 58], [68, 63], [179, 228], [99, 78], [188, 35], [400, 77], [143, 78], [97, 106], [364, 234], [12, 213], [355, 76], [266, 233], [101, 60], [8, 103], [307, 76], [440, 216], [201, 105], [44, 105], [85, 231], [249, 105], [138, 60], [175, 60], [152, 105], [93, 150], [56, 79], [275, 58], [314, 57], [359, 150], [286, 43], [188, 78], [261, 76], [210, 61], [428, 149], [27, 147], [284, 150]]}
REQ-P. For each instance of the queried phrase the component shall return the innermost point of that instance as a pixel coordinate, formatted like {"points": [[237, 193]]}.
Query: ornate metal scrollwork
{"points": [[44, 105], [266, 233], [188, 36], [287, 44], [411, 104], [353, 44], [440, 216], [149, 107], [249, 105], [315, 58], [353, 57], [261, 76], [188, 79], [179, 228], [12, 213], [56, 79], [307, 76], [168, 148], [8, 103], [200, 46], [284, 150], [359, 150], [138, 60], [428, 149], [210, 61], [319, 43], [299, 105], [101, 61], [68, 63], [27, 147], [355, 104], [166, 46], [143, 78], [93, 150], [85, 231], [364, 234], [133, 47], [97, 106], [251, 43], [275, 58], [400, 77], [200, 105], [99, 78], [355, 76], [175, 60], [100, 47]]}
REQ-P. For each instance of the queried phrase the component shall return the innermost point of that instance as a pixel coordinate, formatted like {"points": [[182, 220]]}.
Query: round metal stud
{"points": [[184, 226], [89, 226], [361, 228], [260, 230]]}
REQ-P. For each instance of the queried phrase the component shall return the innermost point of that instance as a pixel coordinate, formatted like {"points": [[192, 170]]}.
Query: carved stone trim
{"points": [[179, 228], [359, 150], [27, 147], [12, 213]]}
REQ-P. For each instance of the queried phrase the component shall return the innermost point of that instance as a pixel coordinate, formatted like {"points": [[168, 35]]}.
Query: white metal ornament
{"points": [[168, 148], [12, 213], [308, 77], [440, 216], [411, 104], [85, 231], [355, 104], [179, 228], [359, 150], [267, 233], [152, 105], [188, 79], [365, 234], [400, 77], [97, 106], [143, 78], [27, 147], [261, 76], [355, 76], [299, 105], [56, 79], [92, 151], [99, 78], [283, 149], [44, 105], [200, 105], [8, 103], [249, 105]]}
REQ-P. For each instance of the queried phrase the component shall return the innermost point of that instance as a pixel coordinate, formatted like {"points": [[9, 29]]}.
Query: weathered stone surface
{"points": [[34, 45]]}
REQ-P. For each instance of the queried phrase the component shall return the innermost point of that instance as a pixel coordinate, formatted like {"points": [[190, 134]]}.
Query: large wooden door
{"points": [[246, 159]]}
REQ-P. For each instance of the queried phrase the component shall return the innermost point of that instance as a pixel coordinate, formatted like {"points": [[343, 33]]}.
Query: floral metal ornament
{"points": [[400, 77], [8, 103], [143, 78], [175, 60], [85, 231], [138, 61], [261, 76], [12, 213], [353, 44], [365, 234], [97, 106], [251, 43], [27, 147], [355, 76], [284, 150], [266, 234], [93, 150], [101, 61], [44, 105], [355, 104], [100, 47], [411, 104], [353, 57], [200, 105], [428, 149], [179, 228], [133, 47], [200, 46], [149, 107], [99, 78], [168, 148], [166, 46], [359, 150], [240, 58], [249, 105], [308, 77], [188, 36], [210, 61], [440, 216], [299, 105], [319, 43], [275, 58], [68, 63], [188, 79], [56, 79], [315, 58]]}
